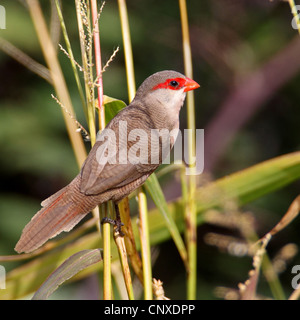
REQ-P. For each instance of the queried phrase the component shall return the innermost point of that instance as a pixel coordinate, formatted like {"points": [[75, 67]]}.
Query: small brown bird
{"points": [[115, 166]]}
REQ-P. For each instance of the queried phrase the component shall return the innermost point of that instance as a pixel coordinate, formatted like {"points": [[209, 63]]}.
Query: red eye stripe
{"points": [[167, 84]]}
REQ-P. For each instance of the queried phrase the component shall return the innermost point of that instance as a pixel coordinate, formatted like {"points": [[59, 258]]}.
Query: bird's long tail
{"points": [[60, 212]]}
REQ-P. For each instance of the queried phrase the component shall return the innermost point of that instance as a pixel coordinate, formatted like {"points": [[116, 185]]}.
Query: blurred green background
{"points": [[246, 56]]}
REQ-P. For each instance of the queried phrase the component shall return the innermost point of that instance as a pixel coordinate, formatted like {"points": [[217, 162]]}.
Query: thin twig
{"points": [[80, 127], [95, 26], [25, 60], [106, 66], [71, 58]]}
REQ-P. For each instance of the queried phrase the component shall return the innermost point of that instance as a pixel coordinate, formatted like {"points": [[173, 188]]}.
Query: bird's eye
{"points": [[174, 83]]}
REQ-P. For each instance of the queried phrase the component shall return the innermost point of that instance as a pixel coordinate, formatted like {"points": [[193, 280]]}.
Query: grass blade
{"points": [[67, 270], [289, 216], [153, 187]]}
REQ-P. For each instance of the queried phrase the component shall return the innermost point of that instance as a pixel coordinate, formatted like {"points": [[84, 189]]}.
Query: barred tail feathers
{"points": [[61, 212]]}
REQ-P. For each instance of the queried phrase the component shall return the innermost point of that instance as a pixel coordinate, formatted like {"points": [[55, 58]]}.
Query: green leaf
{"points": [[243, 187], [112, 107], [74, 264], [153, 187]]}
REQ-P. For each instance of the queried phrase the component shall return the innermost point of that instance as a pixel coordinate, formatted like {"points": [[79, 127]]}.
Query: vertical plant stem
{"points": [[107, 287], [145, 246], [107, 280], [190, 214], [272, 278], [127, 49], [90, 75], [130, 245], [57, 78], [106, 240], [98, 62], [99, 84], [124, 262], [86, 54], [144, 234]]}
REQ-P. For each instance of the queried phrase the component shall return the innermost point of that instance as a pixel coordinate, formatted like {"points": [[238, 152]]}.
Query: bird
{"points": [[108, 173]]}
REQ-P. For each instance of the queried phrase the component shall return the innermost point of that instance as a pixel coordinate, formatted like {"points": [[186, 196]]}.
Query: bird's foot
{"points": [[116, 223]]}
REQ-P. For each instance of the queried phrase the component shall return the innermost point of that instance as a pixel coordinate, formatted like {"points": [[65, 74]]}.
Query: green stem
{"points": [[144, 231], [107, 280], [145, 246], [127, 49], [190, 213], [107, 290]]}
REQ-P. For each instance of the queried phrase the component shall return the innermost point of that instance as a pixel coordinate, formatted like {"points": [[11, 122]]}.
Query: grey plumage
{"points": [[99, 182]]}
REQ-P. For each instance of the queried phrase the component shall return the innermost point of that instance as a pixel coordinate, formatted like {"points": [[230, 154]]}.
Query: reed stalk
{"points": [[98, 83], [145, 246], [98, 61], [190, 211], [124, 263], [127, 49], [107, 280], [142, 200]]}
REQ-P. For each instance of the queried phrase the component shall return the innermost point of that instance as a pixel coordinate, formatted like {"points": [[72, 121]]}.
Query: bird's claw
{"points": [[116, 223]]}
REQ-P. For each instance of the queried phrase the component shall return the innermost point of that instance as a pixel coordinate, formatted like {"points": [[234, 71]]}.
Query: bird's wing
{"points": [[103, 169]]}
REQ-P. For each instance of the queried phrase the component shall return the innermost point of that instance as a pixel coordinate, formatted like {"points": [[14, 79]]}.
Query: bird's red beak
{"points": [[190, 85]]}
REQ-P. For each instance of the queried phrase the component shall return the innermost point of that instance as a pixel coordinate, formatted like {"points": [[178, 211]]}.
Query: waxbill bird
{"points": [[156, 106]]}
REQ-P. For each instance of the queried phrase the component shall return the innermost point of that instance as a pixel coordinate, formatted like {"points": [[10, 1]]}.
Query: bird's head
{"points": [[165, 89]]}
